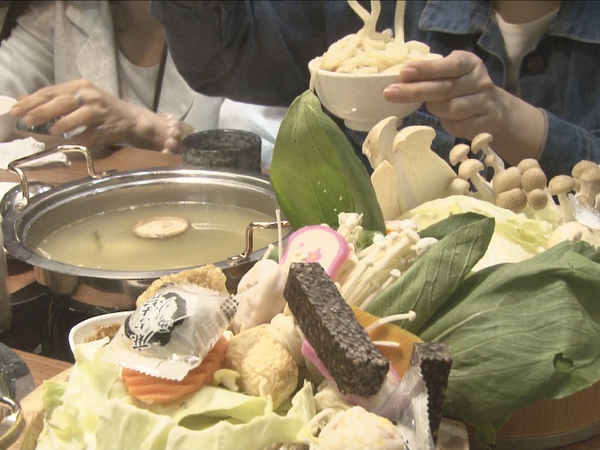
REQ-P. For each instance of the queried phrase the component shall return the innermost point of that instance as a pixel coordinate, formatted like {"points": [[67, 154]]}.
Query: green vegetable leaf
{"points": [[428, 283], [519, 333], [444, 227], [315, 173], [365, 239]]}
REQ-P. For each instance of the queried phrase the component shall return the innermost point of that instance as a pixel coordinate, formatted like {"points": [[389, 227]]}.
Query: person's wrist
{"points": [[521, 131]]}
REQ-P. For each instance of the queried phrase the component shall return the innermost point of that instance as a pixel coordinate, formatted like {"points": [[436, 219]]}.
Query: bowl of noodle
{"points": [[352, 74]]}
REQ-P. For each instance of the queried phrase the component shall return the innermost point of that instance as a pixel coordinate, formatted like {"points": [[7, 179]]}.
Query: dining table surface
{"points": [[119, 159]]}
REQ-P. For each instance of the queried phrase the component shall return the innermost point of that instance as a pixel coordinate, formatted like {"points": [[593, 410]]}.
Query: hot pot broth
{"points": [[105, 240]]}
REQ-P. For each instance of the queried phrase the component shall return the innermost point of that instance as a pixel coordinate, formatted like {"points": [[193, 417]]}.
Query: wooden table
{"points": [[122, 159], [42, 368]]}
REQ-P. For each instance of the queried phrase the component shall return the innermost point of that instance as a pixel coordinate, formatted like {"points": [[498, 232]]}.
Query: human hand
{"points": [[74, 104], [176, 132], [458, 90]]}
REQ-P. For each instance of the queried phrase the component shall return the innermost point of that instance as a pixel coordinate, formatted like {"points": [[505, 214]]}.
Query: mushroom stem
{"points": [[590, 184], [481, 142], [469, 170], [560, 186], [565, 208], [411, 315]]}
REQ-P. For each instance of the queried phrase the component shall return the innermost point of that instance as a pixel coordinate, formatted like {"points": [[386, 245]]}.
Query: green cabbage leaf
{"points": [[93, 410], [520, 333], [516, 237]]}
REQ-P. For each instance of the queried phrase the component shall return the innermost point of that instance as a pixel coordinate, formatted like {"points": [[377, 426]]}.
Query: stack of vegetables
{"points": [[520, 329]]}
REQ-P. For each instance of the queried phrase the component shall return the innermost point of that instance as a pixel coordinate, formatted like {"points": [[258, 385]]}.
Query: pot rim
{"points": [[12, 229]]}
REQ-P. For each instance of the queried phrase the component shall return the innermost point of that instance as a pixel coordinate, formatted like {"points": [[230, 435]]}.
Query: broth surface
{"points": [[105, 240]]}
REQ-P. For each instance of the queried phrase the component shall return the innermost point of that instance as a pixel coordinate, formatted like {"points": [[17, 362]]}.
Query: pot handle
{"points": [[242, 257], [11, 421], [13, 166]]}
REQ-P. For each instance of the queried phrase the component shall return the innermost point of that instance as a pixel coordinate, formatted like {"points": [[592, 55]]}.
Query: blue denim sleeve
{"points": [[565, 145]]}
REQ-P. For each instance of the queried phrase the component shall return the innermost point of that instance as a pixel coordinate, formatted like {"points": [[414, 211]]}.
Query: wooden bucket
{"points": [[552, 424]]}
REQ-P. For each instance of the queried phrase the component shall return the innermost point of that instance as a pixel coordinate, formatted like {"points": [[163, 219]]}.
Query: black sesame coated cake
{"points": [[329, 324], [434, 360]]}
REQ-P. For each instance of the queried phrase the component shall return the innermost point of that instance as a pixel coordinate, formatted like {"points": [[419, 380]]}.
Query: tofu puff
{"points": [[265, 366], [209, 276]]}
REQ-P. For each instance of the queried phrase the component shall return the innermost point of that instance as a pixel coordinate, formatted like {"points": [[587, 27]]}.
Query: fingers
{"points": [[431, 91], [28, 102], [459, 108], [49, 110], [80, 117], [460, 74], [455, 65]]}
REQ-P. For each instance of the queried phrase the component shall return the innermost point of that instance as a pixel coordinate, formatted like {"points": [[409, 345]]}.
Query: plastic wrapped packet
{"points": [[413, 418], [404, 401], [172, 332]]}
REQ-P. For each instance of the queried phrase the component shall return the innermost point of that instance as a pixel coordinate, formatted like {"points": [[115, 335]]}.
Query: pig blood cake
{"points": [[434, 360], [329, 324]]}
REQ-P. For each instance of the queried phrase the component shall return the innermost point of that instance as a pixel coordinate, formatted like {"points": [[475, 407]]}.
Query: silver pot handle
{"points": [[237, 259], [12, 421], [13, 166]]}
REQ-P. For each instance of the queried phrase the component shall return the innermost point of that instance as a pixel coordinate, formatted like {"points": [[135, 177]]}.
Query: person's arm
{"points": [[105, 119], [27, 56], [459, 91], [566, 144], [253, 52]]}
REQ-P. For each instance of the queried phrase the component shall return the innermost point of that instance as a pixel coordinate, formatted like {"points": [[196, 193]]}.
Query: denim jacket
{"points": [[259, 51]]}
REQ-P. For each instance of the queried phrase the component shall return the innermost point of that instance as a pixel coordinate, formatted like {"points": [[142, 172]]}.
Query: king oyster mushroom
{"points": [[410, 173], [379, 142]]}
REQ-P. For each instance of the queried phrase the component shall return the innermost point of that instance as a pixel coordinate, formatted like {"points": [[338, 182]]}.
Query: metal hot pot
{"points": [[93, 290]]}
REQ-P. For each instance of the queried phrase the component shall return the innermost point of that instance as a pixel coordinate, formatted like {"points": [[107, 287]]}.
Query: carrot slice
{"points": [[150, 389]]}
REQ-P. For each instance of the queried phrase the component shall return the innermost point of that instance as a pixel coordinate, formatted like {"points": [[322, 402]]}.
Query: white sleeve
{"points": [[262, 120], [27, 56]]}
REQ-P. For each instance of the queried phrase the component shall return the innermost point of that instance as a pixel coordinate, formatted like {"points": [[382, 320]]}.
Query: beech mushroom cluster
{"points": [[586, 176], [408, 173]]}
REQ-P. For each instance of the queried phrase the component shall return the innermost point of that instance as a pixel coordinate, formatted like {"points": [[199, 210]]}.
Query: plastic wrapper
{"points": [[401, 400], [172, 332], [584, 214], [412, 418]]}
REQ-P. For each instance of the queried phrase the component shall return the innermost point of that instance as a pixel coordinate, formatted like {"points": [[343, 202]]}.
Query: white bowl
{"points": [[87, 330], [358, 98], [7, 122]]}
